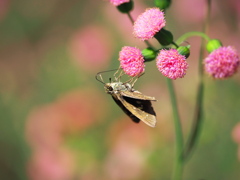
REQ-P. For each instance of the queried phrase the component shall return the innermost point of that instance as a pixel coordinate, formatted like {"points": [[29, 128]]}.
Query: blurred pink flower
{"points": [[131, 61], [4, 7], [171, 64], [118, 2], [44, 127], [128, 154], [74, 111], [137, 134], [234, 7], [51, 165], [182, 10], [236, 133], [125, 161], [91, 47], [238, 153], [149, 23], [80, 109], [236, 137], [222, 62], [117, 20], [47, 127]]}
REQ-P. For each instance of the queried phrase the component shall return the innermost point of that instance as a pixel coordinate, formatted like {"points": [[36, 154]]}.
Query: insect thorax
{"points": [[116, 87]]}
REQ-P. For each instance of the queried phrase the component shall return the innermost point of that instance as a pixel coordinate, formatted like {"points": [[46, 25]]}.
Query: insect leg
{"points": [[99, 75], [119, 76], [136, 79], [115, 74]]}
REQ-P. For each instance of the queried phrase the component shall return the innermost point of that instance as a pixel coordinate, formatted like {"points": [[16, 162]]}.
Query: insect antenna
{"points": [[101, 79], [99, 74]]}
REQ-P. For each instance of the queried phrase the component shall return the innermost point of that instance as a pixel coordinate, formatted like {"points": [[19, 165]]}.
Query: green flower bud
{"points": [[164, 37], [213, 44], [149, 54], [125, 7], [184, 50], [162, 4]]}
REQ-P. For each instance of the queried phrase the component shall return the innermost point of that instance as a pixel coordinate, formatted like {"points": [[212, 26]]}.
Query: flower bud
{"points": [[184, 50], [164, 37], [149, 54], [213, 45], [162, 4]]}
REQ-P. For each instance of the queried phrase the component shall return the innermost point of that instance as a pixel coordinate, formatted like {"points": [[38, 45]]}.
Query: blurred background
{"points": [[56, 121]]}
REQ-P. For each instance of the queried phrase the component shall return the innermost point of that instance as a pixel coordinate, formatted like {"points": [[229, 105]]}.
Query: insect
{"points": [[135, 104]]}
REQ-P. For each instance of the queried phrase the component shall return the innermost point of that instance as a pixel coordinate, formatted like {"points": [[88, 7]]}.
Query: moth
{"points": [[135, 104]]}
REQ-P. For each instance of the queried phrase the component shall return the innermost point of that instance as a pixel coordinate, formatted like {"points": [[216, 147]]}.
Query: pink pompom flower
{"points": [[118, 2], [149, 23], [222, 62], [131, 61], [172, 64]]}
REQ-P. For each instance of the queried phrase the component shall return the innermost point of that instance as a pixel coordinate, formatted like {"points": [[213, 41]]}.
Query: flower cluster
{"points": [[222, 62], [169, 62]]}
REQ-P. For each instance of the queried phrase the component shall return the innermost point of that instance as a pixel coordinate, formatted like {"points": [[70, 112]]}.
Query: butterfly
{"points": [[135, 104]]}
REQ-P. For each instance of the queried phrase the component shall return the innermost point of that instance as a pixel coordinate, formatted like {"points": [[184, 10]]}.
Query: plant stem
{"points": [[130, 17], [178, 164], [190, 34], [197, 119]]}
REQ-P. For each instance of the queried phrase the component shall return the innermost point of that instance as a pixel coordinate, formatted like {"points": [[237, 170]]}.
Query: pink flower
{"points": [[131, 61], [118, 2], [222, 62], [172, 64], [149, 23]]}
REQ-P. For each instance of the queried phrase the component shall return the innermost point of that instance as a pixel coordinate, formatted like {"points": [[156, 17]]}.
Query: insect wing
{"points": [[137, 95], [120, 104], [141, 109]]}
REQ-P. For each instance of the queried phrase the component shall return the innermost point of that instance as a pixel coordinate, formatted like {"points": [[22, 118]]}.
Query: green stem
{"points": [[198, 115], [197, 122], [175, 44], [178, 164], [190, 34], [130, 17]]}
